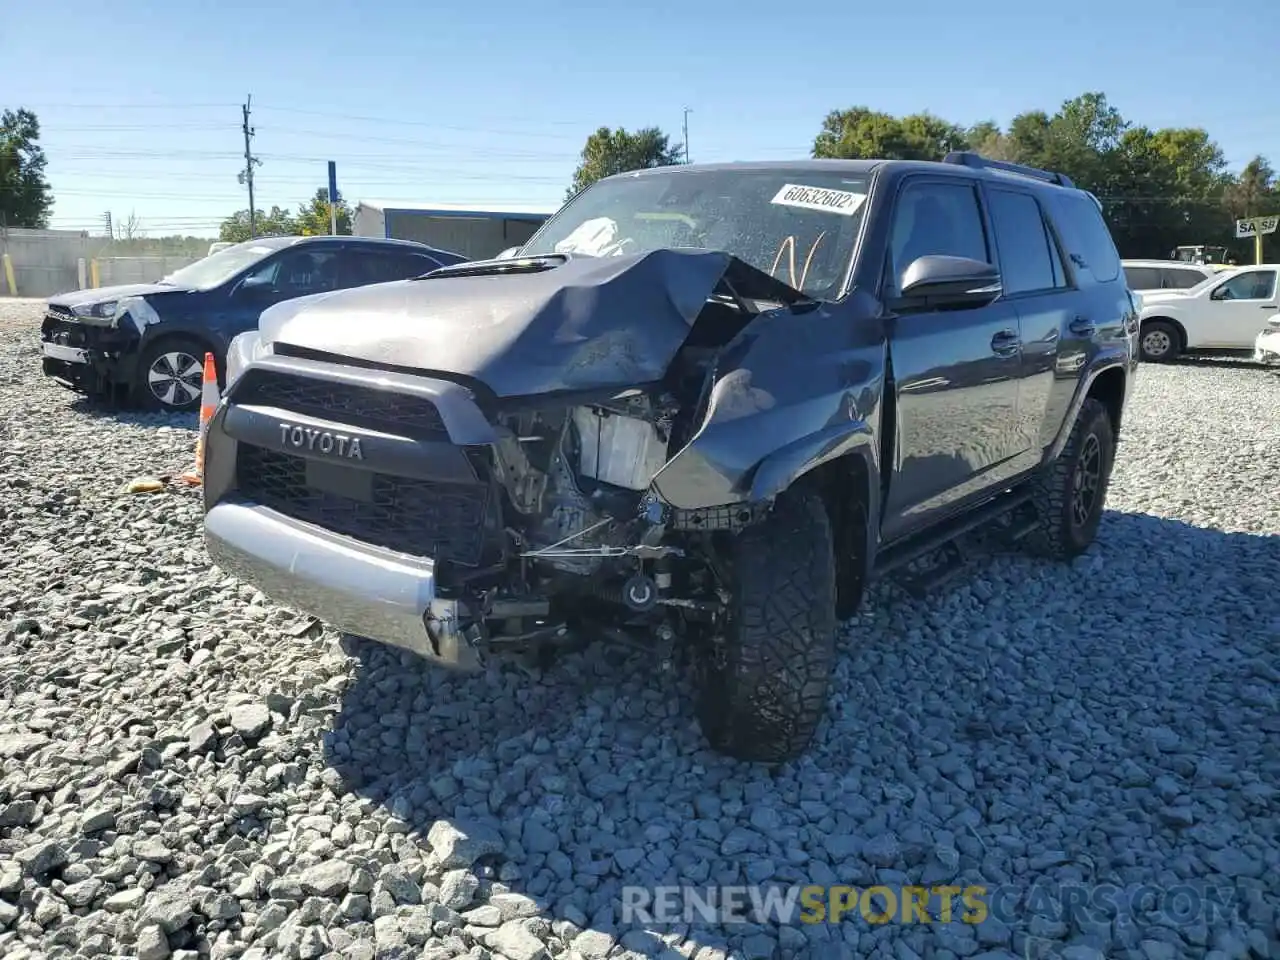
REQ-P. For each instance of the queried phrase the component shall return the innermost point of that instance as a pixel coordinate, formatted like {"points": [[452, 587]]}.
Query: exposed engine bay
{"points": [[582, 526]]}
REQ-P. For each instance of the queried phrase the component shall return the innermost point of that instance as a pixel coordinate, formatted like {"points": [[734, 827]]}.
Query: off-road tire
{"points": [[764, 683], [170, 346], [1061, 535], [1160, 332]]}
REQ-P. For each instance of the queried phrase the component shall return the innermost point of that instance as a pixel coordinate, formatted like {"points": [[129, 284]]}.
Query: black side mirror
{"points": [[940, 282]]}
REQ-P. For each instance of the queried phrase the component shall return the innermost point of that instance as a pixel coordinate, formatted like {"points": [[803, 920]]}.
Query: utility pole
{"points": [[106, 221], [246, 176], [687, 111]]}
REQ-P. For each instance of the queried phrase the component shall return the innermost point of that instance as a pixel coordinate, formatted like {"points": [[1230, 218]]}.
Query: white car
{"points": [[1150, 276], [1223, 312]]}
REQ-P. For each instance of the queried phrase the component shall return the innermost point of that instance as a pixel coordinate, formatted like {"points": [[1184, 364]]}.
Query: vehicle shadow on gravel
{"points": [[102, 408], [951, 752]]}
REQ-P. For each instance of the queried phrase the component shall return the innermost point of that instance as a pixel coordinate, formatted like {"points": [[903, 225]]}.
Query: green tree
{"points": [[278, 223], [1160, 188], [607, 152], [862, 133], [25, 197], [313, 216]]}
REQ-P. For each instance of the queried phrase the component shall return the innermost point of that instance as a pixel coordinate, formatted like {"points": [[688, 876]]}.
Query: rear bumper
{"points": [[357, 588]]}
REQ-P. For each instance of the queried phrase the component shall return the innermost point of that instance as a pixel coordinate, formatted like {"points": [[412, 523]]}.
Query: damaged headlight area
{"points": [[580, 537], [104, 312], [242, 351]]}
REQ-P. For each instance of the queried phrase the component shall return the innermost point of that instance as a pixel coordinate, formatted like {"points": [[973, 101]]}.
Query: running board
{"points": [[901, 554]]}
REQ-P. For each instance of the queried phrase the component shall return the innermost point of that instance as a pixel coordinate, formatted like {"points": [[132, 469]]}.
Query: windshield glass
{"points": [[220, 267], [797, 225]]}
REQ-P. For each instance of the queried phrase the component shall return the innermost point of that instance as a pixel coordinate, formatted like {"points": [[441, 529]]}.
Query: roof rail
{"points": [[967, 158]]}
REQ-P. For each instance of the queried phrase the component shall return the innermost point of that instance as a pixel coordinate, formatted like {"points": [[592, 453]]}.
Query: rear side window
{"points": [[1143, 278], [1027, 252], [1085, 234], [1176, 279]]}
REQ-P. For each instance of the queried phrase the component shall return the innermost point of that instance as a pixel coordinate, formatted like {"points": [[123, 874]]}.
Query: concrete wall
{"points": [[48, 262], [45, 261], [113, 270]]}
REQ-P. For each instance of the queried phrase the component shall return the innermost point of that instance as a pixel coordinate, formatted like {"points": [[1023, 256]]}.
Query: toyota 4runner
{"points": [[703, 405]]}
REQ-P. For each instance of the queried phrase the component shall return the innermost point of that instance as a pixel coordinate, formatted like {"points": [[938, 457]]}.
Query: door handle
{"points": [[1005, 343], [1081, 327], [1268, 306]]}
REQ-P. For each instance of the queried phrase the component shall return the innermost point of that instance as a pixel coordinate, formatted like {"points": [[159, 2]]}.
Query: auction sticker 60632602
{"points": [[843, 202]]}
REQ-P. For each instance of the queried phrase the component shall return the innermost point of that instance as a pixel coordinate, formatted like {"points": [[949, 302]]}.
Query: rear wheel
{"points": [[1071, 493], [764, 682], [1160, 341], [171, 374]]}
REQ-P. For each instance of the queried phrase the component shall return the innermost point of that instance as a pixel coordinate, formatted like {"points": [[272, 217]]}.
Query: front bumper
{"points": [[1266, 348], [359, 589], [86, 357]]}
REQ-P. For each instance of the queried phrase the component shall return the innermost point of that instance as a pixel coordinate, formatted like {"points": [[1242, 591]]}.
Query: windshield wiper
{"points": [[490, 268]]}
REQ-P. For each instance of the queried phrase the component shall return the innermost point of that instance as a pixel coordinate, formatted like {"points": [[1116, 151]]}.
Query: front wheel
{"points": [[764, 681], [1071, 492], [171, 375]]}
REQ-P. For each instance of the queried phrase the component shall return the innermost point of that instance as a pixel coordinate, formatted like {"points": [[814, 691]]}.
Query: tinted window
{"points": [[937, 219], [1253, 285], [1175, 279], [1085, 234], [1026, 251], [298, 273], [1142, 278]]}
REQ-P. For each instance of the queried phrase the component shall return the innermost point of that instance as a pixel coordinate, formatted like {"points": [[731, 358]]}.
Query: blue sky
{"points": [[490, 102]]}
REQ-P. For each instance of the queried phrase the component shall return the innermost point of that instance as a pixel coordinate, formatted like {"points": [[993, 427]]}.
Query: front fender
{"points": [[798, 388]]}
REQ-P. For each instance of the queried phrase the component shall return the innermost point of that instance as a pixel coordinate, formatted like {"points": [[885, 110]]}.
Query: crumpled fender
{"points": [[797, 388], [585, 324]]}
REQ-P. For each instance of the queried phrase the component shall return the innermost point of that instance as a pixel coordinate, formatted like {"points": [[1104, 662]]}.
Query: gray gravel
{"points": [[189, 770]]}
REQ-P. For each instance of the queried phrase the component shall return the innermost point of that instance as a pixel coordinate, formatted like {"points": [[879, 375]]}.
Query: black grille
{"points": [[444, 521], [345, 402]]}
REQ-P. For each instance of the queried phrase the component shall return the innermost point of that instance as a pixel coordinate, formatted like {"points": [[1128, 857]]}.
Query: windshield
{"points": [[220, 267], [797, 225]]}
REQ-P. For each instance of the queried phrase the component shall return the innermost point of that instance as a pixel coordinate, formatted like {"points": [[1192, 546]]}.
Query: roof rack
{"points": [[967, 158]]}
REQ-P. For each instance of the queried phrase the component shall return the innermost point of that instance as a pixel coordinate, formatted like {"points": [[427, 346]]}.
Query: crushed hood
{"points": [[103, 294], [586, 323]]}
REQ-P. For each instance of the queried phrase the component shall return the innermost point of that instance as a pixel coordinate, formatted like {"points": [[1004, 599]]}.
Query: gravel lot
{"points": [[185, 767]]}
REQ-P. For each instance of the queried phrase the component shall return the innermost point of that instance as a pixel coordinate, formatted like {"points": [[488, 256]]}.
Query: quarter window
{"points": [[1175, 279], [1085, 233], [1026, 249], [1142, 278]]}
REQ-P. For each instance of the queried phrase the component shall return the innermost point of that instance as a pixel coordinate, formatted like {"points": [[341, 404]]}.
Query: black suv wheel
{"points": [[764, 683], [1071, 493]]}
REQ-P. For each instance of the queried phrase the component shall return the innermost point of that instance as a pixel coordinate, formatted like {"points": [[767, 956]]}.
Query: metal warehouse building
{"points": [[474, 232]]}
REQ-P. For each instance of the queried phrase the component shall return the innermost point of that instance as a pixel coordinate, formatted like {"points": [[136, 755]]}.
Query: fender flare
{"points": [[788, 464], [1085, 385]]}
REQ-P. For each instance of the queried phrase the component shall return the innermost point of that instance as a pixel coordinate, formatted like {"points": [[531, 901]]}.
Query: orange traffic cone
{"points": [[208, 403]]}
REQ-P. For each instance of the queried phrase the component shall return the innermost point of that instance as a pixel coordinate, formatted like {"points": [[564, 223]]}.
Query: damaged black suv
{"points": [[702, 406]]}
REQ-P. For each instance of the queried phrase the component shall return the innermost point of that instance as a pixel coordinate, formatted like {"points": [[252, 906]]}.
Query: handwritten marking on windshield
{"points": [[789, 246]]}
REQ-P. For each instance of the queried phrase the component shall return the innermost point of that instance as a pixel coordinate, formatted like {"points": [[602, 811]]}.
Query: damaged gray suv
{"points": [[701, 408]]}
